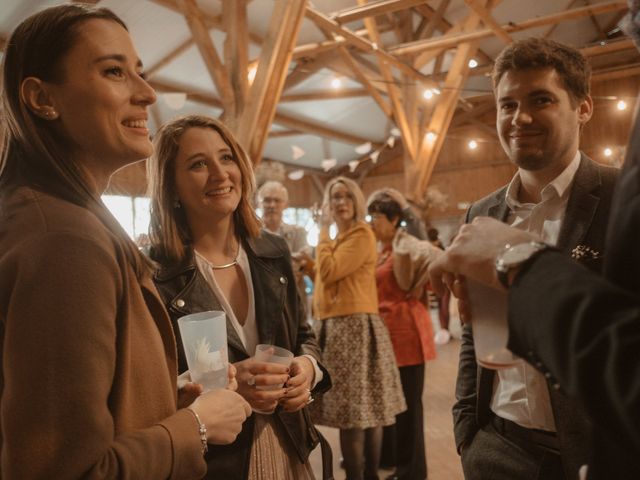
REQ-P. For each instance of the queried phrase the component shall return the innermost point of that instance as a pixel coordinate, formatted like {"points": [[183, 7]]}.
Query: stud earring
{"points": [[176, 203]]}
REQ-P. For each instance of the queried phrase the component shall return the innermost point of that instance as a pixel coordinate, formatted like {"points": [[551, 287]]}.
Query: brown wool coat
{"points": [[88, 355]]}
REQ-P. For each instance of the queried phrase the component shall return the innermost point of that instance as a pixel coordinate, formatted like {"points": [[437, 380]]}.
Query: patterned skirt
{"points": [[366, 391], [272, 456]]}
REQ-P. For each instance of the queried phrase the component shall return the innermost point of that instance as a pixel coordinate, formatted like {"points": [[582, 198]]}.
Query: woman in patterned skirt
{"points": [[367, 392]]}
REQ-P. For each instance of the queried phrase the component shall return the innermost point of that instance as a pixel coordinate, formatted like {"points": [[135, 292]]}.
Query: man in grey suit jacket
{"points": [[514, 423]]}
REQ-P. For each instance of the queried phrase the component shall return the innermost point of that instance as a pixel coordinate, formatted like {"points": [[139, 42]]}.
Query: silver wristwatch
{"points": [[514, 256]]}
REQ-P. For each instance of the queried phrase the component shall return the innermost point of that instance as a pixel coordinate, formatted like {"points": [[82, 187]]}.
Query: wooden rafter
{"points": [[449, 41], [325, 95], [447, 29], [210, 20], [429, 149], [236, 49], [294, 123], [393, 91], [284, 133], [212, 61], [489, 21], [325, 23], [364, 80], [168, 58], [372, 9], [254, 124]]}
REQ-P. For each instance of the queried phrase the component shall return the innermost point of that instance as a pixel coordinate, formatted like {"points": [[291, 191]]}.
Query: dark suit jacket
{"points": [[280, 321], [584, 224], [586, 331]]}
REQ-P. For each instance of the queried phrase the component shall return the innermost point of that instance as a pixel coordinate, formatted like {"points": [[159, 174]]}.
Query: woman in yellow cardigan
{"points": [[367, 393]]}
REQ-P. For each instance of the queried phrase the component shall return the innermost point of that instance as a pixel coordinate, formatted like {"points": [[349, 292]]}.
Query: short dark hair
{"points": [[533, 53], [387, 206]]}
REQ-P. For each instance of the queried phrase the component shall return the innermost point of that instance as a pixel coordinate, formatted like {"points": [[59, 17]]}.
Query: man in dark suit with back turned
{"points": [[513, 423], [579, 328]]}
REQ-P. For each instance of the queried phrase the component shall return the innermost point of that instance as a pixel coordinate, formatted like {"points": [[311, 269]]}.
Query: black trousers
{"points": [[405, 440]]}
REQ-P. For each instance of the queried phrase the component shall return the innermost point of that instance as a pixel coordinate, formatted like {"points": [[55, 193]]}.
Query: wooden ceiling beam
{"points": [[284, 133], [489, 21], [299, 124], [429, 151], [273, 65], [325, 23], [216, 69], [236, 49], [373, 9], [393, 91], [552, 28], [326, 95], [446, 28], [362, 78], [449, 41], [616, 73], [210, 20], [307, 126]]}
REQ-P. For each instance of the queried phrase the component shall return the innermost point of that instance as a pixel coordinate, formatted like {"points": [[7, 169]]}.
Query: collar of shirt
{"points": [[559, 186]]}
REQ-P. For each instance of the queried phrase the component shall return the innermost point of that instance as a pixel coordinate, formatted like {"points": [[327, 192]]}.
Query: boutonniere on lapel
{"points": [[582, 252]]}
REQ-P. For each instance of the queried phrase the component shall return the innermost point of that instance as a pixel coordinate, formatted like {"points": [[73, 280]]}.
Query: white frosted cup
{"points": [[272, 354], [490, 327], [204, 337]]}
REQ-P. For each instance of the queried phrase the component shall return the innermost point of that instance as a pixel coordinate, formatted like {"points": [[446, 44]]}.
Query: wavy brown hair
{"points": [[33, 152], [169, 232]]}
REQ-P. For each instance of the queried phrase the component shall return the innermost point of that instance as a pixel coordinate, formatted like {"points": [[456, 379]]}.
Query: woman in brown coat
{"points": [[88, 355]]}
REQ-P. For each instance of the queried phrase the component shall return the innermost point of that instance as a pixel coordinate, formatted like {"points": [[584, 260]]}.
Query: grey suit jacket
{"points": [[584, 224]]}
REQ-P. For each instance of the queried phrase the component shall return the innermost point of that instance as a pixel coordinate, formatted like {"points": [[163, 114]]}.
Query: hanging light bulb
{"points": [[473, 63], [608, 152], [431, 137], [472, 145], [428, 94], [336, 83], [621, 105]]}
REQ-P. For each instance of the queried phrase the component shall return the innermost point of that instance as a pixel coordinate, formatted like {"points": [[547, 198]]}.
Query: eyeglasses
{"points": [[339, 197]]}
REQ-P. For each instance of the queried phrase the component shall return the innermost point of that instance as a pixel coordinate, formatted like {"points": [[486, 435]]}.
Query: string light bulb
{"points": [[472, 144], [430, 137], [621, 105], [608, 152], [473, 63], [336, 83], [428, 94]]}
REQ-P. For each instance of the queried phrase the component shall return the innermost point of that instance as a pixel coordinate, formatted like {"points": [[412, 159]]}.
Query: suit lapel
{"points": [[581, 206]]}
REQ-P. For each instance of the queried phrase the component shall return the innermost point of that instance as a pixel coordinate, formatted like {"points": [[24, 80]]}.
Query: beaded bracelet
{"points": [[202, 430]]}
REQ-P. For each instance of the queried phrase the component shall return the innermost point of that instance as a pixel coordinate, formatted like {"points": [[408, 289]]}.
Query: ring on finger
{"points": [[251, 381]]}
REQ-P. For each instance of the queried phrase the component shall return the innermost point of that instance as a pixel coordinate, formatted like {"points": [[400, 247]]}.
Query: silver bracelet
{"points": [[202, 430]]}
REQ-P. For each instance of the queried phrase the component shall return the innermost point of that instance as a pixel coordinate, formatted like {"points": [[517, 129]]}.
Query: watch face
{"points": [[519, 253]]}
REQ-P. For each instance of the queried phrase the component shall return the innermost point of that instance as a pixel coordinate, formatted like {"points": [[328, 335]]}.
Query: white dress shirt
{"points": [[520, 393]]}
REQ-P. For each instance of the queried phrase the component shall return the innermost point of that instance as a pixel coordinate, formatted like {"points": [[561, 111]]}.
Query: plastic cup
{"points": [[204, 337], [272, 354], [490, 326]]}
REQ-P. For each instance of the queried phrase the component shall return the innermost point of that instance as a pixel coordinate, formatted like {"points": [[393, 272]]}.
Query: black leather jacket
{"points": [[280, 322]]}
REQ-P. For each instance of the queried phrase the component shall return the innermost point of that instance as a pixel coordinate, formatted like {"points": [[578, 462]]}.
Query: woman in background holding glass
{"points": [[366, 393]]}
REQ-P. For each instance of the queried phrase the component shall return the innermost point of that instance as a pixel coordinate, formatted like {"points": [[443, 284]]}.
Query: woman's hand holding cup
{"points": [[261, 383], [299, 385]]}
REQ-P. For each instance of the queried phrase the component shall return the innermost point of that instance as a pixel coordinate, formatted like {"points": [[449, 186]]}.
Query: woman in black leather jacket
{"points": [[212, 255]]}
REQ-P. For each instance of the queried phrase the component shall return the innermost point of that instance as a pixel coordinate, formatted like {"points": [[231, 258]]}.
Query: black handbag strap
{"points": [[327, 457]]}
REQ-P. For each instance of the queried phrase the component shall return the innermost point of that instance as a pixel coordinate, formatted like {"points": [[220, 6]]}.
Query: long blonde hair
{"points": [[169, 232]]}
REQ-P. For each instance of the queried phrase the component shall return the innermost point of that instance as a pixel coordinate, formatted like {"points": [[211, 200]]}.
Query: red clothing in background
{"points": [[407, 318]]}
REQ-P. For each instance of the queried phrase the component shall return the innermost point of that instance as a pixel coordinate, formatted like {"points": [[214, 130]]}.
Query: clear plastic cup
{"points": [[204, 337], [490, 326], [272, 354]]}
